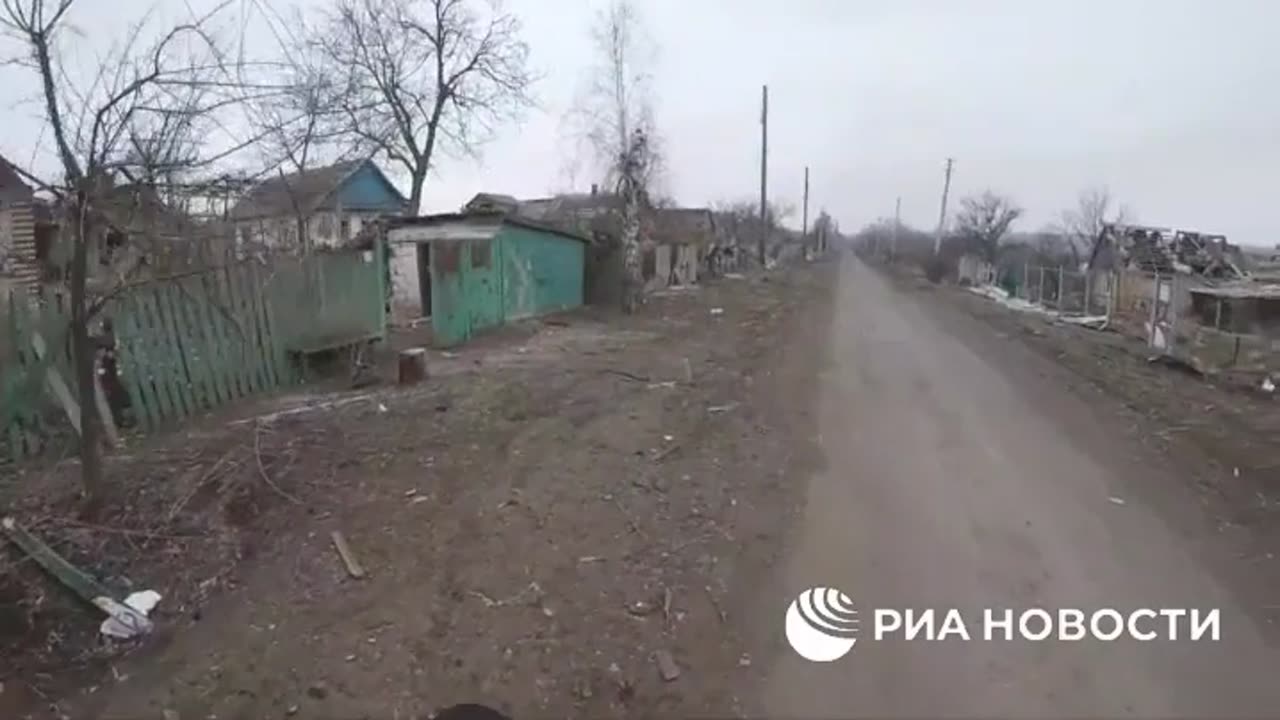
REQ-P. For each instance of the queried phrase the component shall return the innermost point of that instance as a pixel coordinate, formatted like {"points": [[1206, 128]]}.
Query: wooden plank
{"points": [[212, 323], [240, 304], [181, 379], [57, 386], [262, 373], [13, 421], [229, 327], [157, 357], [196, 344], [247, 290], [275, 357], [131, 358], [268, 351]]}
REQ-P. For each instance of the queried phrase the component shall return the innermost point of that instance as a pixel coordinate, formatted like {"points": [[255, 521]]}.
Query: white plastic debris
{"points": [[1116, 501], [382, 408], [128, 619], [717, 311], [1267, 385]]}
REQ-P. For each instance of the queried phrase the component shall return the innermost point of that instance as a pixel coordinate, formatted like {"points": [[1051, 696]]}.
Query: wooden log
{"points": [[413, 366]]}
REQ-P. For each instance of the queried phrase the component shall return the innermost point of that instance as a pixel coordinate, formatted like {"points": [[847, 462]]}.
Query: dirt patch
{"points": [[547, 526]]}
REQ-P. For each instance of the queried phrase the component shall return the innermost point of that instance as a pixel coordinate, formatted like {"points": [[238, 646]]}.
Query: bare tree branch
{"points": [[983, 220], [422, 75], [1082, 225]]}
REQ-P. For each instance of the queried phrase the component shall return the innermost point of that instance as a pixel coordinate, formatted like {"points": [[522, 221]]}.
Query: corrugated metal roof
{"points": [[1270, 291], [466, 226]]}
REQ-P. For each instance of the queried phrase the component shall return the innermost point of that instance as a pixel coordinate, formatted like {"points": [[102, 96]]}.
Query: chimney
{"points": [[595, 189]]}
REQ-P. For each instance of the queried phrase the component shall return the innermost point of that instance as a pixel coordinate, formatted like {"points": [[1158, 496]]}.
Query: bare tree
{"points": [[616, 99], [983, 220], [1082, 225], [423, 75], [143, 126], [302, 123], [613, 118]]}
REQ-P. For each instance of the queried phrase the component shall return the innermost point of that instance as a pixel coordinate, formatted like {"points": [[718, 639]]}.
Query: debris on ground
{"points": [[125, 620], [353, 566], [667, 667]]}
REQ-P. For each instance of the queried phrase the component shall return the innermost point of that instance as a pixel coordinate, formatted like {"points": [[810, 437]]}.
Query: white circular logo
{"points": [[822, 625]]}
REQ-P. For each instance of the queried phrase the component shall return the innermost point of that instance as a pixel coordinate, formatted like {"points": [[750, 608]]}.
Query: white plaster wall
{"points": [[324, 229], [406, 299]]}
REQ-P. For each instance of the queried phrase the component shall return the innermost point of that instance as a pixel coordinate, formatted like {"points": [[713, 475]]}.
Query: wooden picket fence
{"points": [[188, 345]]}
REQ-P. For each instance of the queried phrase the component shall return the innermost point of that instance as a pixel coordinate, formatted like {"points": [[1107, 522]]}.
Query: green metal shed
{"points": [[483, 271]]}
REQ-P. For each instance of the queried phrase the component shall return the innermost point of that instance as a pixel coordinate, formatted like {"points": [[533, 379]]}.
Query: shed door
{"points": [[424, 277], [1160, 327], [482, 284]]}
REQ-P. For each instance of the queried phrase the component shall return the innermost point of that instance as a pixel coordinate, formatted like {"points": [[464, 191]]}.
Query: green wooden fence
{"points": [[188, 345]]}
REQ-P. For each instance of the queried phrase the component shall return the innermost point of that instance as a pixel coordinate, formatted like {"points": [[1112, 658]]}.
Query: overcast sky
{"points": [[1174, 104]]}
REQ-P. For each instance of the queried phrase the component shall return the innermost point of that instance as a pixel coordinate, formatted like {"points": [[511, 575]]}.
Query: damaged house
{"points": [[674, 242], [1190, 295]]}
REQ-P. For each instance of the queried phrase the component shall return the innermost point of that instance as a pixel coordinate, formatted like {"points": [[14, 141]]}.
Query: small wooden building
{"points": [[469, 272]]}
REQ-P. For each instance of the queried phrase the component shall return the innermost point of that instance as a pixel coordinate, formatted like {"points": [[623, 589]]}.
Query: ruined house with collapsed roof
{"points": [[1191, 295]]}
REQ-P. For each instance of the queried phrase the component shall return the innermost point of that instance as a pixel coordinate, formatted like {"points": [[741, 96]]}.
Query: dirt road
{"points": [[957, 477]]}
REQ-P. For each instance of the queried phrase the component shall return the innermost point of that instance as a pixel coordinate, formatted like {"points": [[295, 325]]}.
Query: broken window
{"points": [[447, 256]]}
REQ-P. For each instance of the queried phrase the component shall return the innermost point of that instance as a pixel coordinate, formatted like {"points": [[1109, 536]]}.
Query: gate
{"points": [[1160, 328]]}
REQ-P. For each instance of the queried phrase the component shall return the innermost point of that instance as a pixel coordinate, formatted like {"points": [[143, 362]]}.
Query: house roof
{"points": [[1236, 290], [311, 190], [579, 214], [493, 202], [489, 220], [12, 186], [684, 225]]}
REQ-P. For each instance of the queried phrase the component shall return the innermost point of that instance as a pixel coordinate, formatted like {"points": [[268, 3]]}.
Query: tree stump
{"points": [[413, 366]]}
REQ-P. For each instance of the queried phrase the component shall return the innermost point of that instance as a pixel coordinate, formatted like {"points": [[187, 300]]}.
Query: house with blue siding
{"points": [[319, 207]]}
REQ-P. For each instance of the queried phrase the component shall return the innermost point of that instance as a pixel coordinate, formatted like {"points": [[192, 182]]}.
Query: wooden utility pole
{"points": [[942, 214], [764, 171], [804, 222], [897, 222]]}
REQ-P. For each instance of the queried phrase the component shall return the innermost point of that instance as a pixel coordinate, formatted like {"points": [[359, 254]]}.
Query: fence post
{"points": [[1155, 304], [1062, 285], [1088, 292], [1040, 296], [1026, 281]]}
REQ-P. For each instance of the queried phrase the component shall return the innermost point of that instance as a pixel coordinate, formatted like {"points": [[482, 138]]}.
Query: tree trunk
{"points": [[84, 355], [415, 192], [632, 277]]}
